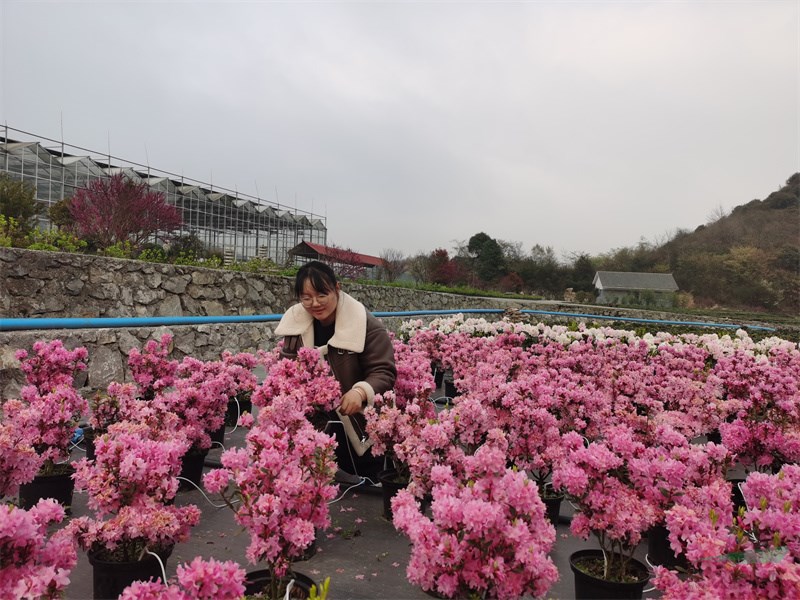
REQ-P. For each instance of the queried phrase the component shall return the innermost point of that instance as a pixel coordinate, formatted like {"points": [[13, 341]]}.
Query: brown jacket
{"points": [[360, 353]]}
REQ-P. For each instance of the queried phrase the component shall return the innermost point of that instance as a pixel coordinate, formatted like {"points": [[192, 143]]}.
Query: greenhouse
{"points": [[237, 225]]}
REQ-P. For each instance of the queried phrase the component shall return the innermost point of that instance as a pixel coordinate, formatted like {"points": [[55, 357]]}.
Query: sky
{"points": [[411, 126]]}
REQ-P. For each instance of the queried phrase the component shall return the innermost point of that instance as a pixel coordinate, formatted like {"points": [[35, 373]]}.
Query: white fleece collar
{"points": [[351, 324]]}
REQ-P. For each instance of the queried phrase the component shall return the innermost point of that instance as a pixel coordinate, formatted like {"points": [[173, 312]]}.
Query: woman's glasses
{"points": [[308, 301]]}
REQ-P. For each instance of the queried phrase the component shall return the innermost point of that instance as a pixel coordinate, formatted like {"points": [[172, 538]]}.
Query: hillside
{"points": [[748, 259]]}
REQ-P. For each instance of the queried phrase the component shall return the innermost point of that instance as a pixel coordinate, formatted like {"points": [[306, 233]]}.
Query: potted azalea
{"points": [[753, 555], [399, 413], [280, 484], [279, 487], [487, 535], [198, 580], [33, 562], [46, 416], [596, 480], [764, 430], [663, 472], [389, 423], [131, 486], [199, 397]]}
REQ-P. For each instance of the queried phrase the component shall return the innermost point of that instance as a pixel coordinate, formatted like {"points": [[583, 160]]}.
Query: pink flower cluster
{"points": [[130, 482], [19, 462], [199, 580], [51, 365], [129, 468], [34, 564], [390, 422], [306, 381], [764, 429], [751, 555], [414, 378], [113, 406], [199, 398], [151, 367], [487, 536]]}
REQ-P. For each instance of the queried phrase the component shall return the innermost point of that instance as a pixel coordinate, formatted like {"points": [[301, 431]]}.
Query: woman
{"points": [[358, 350]]}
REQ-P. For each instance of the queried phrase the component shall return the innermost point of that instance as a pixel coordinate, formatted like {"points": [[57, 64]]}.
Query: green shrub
{"points": [[189, 259], [254, 265], [55, 240], [122, 249], [153, 254], [9, 231]]}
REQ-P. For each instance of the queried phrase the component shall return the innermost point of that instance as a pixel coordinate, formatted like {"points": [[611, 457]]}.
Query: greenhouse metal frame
{"points": [[238, 225]]}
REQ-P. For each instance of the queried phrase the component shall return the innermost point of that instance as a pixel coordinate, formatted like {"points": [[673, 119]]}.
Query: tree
{"points": [[490, 264], [582, 274], [440, 268], [394, 263], [60, 216], [511, 283], [117, 210], [18, 200]]}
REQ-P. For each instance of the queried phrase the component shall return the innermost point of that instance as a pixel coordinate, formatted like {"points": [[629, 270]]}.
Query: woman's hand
{"points": [[352, 402]]}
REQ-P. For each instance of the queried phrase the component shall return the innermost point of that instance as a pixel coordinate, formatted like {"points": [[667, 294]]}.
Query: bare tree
{"points": [[717, 214], [394, 263], [419, 268]]}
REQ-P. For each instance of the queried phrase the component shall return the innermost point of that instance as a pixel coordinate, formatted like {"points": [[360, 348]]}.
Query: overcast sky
{"points": [[584, 126]]}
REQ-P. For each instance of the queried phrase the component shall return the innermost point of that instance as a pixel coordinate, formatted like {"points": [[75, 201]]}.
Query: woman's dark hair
{"points": [[321, 276]]}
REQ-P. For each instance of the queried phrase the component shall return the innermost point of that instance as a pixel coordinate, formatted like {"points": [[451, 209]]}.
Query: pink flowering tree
{"points": [[307, 378], [131, 484], [751, 555], [198, 580], [414, 379], [455, 434], [399, 413], [33, 562], [240, 367], [51, 365], [487, 535]]}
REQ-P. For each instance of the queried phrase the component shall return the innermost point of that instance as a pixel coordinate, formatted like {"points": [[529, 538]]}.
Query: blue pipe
{"points": [[72, 323], [92, 323]]}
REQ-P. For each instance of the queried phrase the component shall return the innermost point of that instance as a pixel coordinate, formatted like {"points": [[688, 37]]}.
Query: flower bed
{"points": [[614, 420]]}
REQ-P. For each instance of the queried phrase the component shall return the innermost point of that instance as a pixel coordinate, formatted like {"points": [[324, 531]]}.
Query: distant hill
{"points": [[749, 258]]}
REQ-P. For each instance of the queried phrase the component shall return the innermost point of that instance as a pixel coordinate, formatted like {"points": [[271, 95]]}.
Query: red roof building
{"points": [[336, 255]]}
